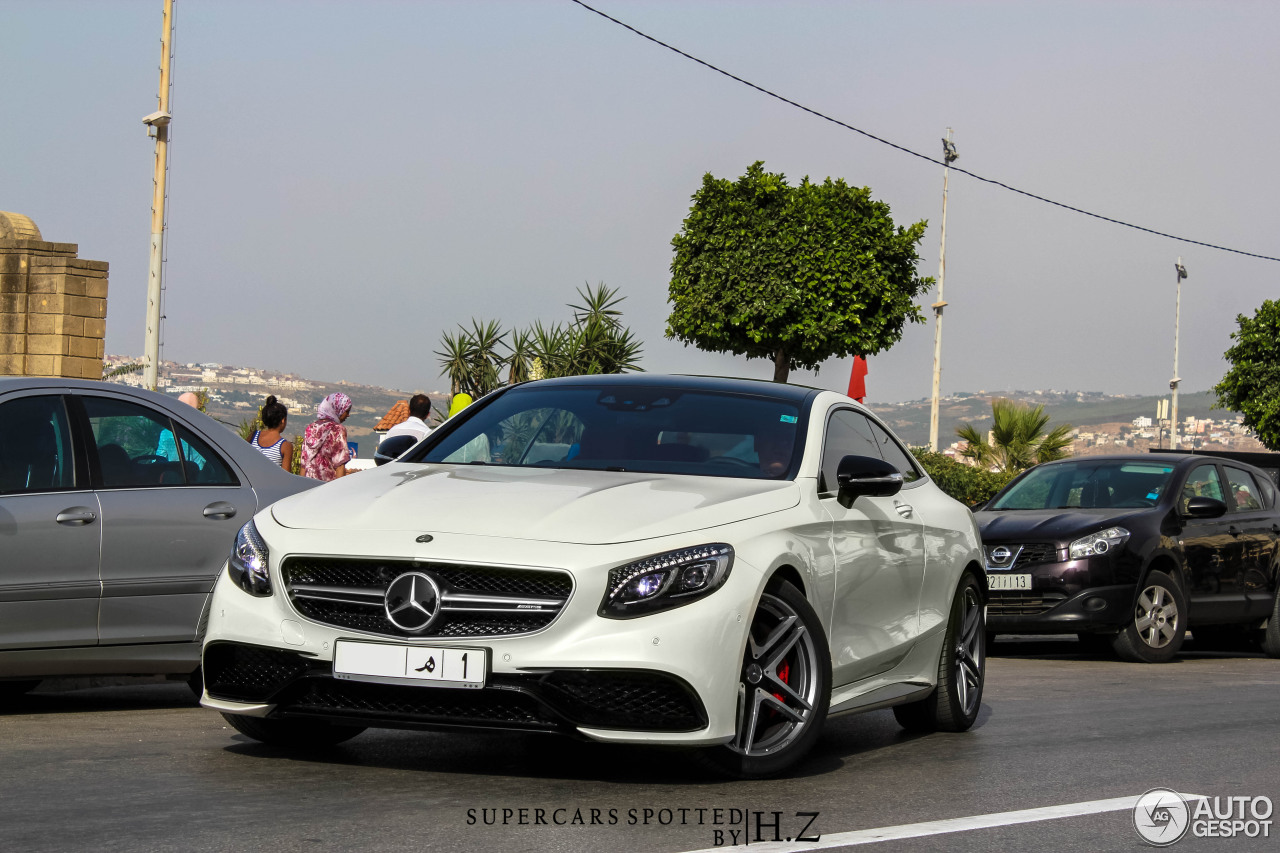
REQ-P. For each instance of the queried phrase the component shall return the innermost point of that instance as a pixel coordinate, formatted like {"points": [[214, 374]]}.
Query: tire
{"points": [[962, 669], [1158, 625], [1271, 636], [195, 681], [784, 688], [292, 733]]}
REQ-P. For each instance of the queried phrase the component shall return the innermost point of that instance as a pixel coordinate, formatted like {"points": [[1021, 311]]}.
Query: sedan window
{"points": [[35, 446], [638, 428], [137, 446], [1245, 495], [1202, 482]]}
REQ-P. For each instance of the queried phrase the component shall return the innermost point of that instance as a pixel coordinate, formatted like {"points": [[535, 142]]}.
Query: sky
{"points": [[350, 180]]}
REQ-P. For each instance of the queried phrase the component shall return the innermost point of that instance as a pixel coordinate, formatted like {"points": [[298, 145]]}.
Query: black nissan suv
{"points": [[1134, 550]]}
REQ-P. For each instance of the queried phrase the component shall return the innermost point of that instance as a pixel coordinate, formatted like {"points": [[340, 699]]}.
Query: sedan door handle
{"points": [[76, 516], [219, 509], [904, 510]]}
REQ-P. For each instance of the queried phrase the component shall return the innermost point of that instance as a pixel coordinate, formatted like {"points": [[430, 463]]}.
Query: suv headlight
{"points": [[248, 563], [666, 580], [1099, 543]]}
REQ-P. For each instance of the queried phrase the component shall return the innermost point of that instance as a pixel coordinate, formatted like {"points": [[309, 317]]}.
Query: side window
{"points": [[1243, 492], [1202, 482], [893, 453], [138, 446], [203, 467], [848, 434], [35, 446]]}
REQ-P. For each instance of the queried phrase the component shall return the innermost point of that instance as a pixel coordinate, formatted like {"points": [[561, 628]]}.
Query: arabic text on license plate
{"points": [[405, 664], [998, 581]]}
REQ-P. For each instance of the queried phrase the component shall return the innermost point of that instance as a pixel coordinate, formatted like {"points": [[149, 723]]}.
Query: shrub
{"points": [[965, 483]]}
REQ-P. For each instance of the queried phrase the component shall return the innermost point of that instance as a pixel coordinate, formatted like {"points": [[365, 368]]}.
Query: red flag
{"points": [[858, 379]]}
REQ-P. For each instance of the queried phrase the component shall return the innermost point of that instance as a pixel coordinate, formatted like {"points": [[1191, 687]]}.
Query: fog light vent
{"points": [[1095, 604]]}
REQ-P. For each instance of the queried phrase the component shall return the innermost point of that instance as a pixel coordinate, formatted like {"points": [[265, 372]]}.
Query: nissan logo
{"points": [[413, 602], [1000, 555]]}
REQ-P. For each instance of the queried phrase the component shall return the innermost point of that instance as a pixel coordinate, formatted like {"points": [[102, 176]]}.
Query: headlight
{"points": [[248, 563], [666, 580], [1099, 543]]}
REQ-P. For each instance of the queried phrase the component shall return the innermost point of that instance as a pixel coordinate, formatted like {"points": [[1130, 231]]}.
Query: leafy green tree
{"points": [[1017, 439], [1252, 385], [796, 275]]}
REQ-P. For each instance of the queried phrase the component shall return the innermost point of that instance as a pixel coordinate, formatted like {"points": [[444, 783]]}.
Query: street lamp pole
{"points": [[1173, 383], [159, 124], [948, 154]]}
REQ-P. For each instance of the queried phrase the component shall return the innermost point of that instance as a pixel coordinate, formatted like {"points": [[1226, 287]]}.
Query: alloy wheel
{"points": [[969, 651], [778, 686], [1156, 617]]}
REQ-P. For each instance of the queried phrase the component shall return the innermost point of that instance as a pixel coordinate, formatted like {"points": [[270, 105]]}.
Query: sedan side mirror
{"points": [[1203, 507], [864, 475]]}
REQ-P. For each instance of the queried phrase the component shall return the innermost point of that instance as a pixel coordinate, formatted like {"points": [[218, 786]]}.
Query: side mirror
{"points": [[863, 475], [392, 447], [1202, 507]]}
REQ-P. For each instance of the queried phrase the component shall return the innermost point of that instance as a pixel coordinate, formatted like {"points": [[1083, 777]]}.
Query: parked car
{"points": [[1134, 550], [117, 507], [663, 560]]}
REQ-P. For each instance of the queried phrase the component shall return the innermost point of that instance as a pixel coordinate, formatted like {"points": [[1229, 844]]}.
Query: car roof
{"points": [[779, 390]]}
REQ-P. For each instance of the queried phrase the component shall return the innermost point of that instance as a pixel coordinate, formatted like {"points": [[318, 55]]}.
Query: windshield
{"points": [[633, 428], [1086, 485]]}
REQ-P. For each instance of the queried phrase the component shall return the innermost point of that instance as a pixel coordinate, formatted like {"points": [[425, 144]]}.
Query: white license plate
{"points": [[995, 581], [395, 663]]}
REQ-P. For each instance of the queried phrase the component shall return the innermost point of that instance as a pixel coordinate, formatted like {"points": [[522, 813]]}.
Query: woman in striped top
{"points": [[270, 439]]}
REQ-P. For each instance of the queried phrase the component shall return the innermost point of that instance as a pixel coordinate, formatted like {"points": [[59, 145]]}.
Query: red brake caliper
{"points": [[784, 675]]}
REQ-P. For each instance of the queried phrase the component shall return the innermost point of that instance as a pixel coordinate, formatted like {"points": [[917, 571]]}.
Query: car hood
{"points": [[552, 505], [1047, 525]]}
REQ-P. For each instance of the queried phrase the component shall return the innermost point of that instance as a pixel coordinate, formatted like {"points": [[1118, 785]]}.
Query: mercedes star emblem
{"points": [[413, 602]]}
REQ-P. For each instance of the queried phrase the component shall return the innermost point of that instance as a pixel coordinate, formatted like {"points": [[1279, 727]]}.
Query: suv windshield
{"points": [[1086, 485], [632, 428]]}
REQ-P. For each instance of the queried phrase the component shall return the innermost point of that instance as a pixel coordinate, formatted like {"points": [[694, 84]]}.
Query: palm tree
{"points": [[1017, 439]]}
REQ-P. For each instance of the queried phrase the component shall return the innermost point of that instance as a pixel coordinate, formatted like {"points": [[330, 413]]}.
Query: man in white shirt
{"points": [[416, 425]]}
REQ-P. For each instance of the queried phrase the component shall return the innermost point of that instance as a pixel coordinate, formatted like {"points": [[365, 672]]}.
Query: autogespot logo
{"points": [[1161, 817]]}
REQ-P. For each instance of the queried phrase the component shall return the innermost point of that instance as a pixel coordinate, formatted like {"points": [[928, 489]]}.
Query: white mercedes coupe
{"points": [[718, 564]]}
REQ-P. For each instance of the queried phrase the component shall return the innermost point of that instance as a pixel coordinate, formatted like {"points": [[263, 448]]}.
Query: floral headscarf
{"points": [[333, 407]]}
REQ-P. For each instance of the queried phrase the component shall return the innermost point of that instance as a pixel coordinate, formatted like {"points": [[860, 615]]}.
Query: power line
{"points": [[906, 150]]}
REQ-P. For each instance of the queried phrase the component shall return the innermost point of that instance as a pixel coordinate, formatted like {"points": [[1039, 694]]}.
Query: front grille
{"points": [[351, 593], [1031, 554], [1021, 602], [395, 703]]}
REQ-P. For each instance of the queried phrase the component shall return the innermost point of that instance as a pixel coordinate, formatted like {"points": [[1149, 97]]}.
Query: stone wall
{"points": [[53, 310]]}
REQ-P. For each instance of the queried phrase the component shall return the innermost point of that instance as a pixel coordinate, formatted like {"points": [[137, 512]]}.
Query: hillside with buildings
{"points": [[1104, 423]]}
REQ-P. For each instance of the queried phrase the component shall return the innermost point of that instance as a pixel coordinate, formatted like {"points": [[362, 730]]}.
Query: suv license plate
{"points": [[995, 581], [395, 663]]}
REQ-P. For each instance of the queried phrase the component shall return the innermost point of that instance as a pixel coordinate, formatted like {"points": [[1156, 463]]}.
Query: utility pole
{"points": [[159, 124], [948, 154], [1173, 383]]}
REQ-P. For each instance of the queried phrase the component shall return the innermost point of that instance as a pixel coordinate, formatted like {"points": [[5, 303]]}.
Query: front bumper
{"points": [[669, 677], [1066, 596]]}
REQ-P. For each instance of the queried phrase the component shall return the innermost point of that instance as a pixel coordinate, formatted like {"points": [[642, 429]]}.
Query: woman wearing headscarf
{"points": [[324, 446]]}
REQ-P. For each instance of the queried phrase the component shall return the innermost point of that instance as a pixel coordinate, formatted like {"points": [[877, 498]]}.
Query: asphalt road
{"points": [[139, 767]]}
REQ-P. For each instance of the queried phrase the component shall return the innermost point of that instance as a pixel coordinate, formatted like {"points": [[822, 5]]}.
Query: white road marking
{"points": [[937, 827]]}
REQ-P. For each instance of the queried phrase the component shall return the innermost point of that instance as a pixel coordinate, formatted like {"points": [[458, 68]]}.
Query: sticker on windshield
{"points": [[788, 419]]}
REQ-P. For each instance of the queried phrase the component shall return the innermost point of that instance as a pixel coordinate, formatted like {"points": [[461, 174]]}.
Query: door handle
{"points": [[219, 509], [1233, 530], [76, 516], [904, 510]]}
